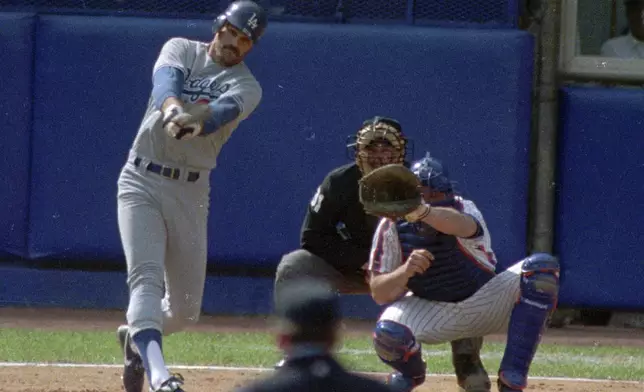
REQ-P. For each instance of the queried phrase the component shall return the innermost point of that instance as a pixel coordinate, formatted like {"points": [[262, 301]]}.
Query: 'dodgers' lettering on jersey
{"points": [[198, 88]]}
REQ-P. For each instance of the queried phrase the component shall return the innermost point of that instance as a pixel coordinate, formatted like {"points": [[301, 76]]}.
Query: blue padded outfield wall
{"points": [[17, 48], [600, 197], [271, 167], [79, 85]]}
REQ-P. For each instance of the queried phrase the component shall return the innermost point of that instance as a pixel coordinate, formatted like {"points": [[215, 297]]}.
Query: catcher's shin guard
{"points": [[396, 346], [539, 291]]}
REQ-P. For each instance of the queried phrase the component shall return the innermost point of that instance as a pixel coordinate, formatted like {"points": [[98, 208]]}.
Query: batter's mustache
{"points": [[231, 48]]}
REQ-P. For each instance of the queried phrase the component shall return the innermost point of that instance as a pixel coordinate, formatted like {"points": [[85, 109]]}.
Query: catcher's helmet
{"points": [[248, 16], [432, 173]]}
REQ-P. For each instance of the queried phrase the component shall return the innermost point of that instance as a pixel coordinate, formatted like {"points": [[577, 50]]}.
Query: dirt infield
{"points": [[107, 379]]}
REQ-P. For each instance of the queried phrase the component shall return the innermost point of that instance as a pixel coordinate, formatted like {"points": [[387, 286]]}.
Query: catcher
{"points": [[433, 265], [336, 233]]}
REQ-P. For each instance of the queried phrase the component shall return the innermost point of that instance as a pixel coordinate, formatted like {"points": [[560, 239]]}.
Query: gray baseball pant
{"points": [[304, 264], [163, 224]]}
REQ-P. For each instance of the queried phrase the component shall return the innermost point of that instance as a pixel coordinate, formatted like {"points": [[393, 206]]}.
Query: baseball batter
{"points": [[436, 270], [163, 189]]}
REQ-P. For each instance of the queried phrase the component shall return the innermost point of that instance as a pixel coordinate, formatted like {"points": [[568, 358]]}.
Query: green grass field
{"points": [[258, 350]]}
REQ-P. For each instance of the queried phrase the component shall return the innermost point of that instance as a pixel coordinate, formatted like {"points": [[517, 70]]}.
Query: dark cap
{"points": [[307, 305]]}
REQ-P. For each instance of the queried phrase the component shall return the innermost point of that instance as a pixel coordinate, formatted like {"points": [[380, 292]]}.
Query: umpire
{"points": [[308, 329], [336, 233]]}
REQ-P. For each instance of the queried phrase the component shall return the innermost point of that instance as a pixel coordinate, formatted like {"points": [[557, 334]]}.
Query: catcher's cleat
{"points": [[510, 382], [400, 383], [505, 388], [173, 384], [133, 371]]}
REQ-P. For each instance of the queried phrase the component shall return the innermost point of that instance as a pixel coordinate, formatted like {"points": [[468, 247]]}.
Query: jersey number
{"points": [[316, 201]]}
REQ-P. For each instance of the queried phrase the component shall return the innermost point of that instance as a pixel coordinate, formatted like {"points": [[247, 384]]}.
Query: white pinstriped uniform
{"points": [[487, 311]]}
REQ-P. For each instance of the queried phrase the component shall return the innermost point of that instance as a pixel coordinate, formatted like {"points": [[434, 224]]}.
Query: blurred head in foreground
{"points": [[307, 314]]}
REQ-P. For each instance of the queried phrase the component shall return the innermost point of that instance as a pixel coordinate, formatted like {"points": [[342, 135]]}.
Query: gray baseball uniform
{"points": [[163, 193]]}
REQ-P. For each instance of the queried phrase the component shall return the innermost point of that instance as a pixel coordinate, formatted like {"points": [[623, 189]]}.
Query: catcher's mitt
{"points": [[391, 191]]}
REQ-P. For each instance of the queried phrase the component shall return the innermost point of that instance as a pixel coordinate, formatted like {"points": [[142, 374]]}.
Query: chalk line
{"points": [[259, 369]]}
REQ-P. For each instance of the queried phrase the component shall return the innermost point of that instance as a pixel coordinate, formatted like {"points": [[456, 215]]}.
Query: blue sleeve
{"points": [[224, 110], [167, 82]]}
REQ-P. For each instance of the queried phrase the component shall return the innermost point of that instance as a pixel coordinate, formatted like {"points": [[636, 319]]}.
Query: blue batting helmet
{"points": [[432, 173], [248, 16]]}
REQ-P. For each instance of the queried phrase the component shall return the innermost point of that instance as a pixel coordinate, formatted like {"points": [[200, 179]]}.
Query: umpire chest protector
{"points": [[453, 276]]}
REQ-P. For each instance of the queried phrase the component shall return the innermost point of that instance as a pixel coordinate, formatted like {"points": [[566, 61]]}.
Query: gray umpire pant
{"points": [[304, 264]]}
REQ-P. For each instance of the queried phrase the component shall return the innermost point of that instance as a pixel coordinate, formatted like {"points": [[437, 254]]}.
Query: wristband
{"points": [[419, 213]]}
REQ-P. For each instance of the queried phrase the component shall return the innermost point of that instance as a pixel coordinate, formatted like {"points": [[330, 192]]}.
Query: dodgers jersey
{"points": [[461, 265], [205, 81]]}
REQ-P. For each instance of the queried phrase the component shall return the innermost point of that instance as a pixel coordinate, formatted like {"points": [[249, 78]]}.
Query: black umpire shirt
{"points": [[336, 227], [315, 374]]}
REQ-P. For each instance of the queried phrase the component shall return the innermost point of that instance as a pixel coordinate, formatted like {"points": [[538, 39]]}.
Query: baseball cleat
{"points": [[133, 371], [505, 388], [400, 383], [173, 384], [510, 382], [280, 364]]}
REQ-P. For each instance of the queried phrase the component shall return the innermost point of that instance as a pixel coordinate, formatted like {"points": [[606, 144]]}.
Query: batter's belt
{"points": [[166, 171]]}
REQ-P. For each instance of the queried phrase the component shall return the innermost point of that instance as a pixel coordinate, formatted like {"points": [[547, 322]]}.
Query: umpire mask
{"points": [[379, 142]]}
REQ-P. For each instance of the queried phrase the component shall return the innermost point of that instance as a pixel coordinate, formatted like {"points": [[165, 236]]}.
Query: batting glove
{"points": [[180, 125]]}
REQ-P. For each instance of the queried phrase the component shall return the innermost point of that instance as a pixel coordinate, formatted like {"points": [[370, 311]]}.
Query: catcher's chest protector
{"points": [[453, 275]]}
